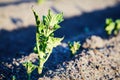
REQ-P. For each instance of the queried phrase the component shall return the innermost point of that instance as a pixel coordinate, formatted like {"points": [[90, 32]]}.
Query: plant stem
{"points": [[29, 75], [37, 43], [40, 67]]}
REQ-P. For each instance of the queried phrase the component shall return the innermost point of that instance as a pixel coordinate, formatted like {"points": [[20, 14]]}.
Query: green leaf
{"points": [[41, 29], [109, 28], [118, 24], [56, 19], [56, 27], [36, 19], [108, 21], [51, 20], [74, 47], [52, 42], [115, 32], [29, 66], [35, 49]]}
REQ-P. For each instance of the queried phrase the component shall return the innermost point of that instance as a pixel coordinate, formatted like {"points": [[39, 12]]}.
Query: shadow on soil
{"points": [[17, 42], [17, 2], [21, 41], [87, 24]]}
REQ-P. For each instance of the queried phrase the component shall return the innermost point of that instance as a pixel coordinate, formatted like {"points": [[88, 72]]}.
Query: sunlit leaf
{"points": [[108, 21], [74, 47], [118, 24], [109, 28], [29, 66]]}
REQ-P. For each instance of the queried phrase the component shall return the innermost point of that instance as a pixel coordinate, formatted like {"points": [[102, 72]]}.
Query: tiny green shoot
{"points": [[74, 46], [29, 67], [45, 40]]}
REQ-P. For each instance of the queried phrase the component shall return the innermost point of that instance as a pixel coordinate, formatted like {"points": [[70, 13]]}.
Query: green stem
{"points": [[37, 42], [40, 67], [29, 75], [41, 63], [47, 57]]}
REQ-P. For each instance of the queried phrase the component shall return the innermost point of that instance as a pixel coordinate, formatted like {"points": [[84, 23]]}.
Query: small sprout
{"points": [[29, 67], [45, 40], [74, 47]]}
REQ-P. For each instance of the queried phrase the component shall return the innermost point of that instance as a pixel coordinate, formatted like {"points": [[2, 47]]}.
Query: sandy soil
{"points": [[93, 63]]}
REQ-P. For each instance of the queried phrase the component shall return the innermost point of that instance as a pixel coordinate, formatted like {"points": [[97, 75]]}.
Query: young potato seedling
{"points": [[45, 40], [74, 46], [29, 67], [112, 27]]}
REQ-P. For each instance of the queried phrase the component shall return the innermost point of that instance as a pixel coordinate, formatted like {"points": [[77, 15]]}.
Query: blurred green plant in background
{"points": [[112, 27], [40, 1]]}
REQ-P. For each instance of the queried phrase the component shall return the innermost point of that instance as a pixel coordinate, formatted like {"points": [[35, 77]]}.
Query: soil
{"points": [[99, 54]]}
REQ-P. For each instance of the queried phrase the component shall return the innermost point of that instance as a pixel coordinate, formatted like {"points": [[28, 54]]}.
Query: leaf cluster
{"points": [[30, 67], [74, 46], [112, 27]]}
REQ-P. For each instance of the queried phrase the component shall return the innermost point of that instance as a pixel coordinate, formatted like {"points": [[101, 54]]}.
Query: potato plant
{"points": [[45, 40], [112, 27]]}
